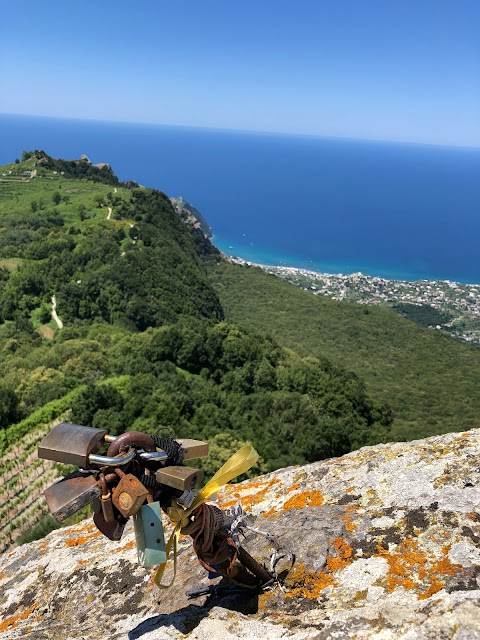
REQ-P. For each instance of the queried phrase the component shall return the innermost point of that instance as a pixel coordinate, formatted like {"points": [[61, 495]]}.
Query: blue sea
{"points": [[399, 211]]}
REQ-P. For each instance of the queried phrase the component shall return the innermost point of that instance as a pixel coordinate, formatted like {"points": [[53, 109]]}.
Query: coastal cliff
{"points": [[387, 545]]}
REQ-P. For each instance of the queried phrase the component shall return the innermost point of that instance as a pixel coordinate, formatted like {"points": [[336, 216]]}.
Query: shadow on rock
{"points": [[188, 618]]}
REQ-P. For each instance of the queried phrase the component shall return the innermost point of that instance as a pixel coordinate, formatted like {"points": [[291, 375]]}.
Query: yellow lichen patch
{"points": [[265, 599], [81, 562], [2, 575], [11, 623], [349, 489], [304, 499], [412, 568], [76, 541], [472, 516]]}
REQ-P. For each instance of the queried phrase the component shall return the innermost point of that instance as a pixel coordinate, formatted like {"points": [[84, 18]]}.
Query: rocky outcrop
{"points": [[191, 216], [387, 545]]}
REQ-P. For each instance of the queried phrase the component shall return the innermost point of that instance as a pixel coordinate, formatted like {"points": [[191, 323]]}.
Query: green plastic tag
{"points": [[149, 535]]}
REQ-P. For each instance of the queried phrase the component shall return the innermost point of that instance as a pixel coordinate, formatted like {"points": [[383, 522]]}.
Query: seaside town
{"points": [[442, 305]]}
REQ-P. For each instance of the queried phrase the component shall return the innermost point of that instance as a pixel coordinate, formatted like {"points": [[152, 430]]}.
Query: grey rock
{"points": [[387, 546]]}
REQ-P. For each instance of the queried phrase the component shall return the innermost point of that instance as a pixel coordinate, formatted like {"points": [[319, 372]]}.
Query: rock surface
{"points": [[387, 545]]}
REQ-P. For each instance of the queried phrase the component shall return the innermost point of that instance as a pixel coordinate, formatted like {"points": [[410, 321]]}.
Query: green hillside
{"points": [[431, 381], [134, 299], [117, 312]]}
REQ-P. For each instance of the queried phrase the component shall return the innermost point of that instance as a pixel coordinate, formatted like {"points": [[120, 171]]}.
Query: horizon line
{"points": [[249, 131]]}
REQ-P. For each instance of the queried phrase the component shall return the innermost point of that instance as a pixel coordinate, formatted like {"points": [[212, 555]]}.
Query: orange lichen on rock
{"points": [[404, 563], [251, 499], [304, 499], [293, 487], [305, 583], [472, 516], [343, 557], [411, 568], [130, 545], [349, 525], [435, 587], [76, 541], [11, 623], [443, 566], [271, 512]]}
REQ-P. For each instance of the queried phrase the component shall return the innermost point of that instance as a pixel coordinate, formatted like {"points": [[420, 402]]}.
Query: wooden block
{"points": [[182, 478], [194, 448]]}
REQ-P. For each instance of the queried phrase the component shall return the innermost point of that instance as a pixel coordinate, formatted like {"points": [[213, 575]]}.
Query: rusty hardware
{"points": [[106, 500], [71, 444], [97, 505], [135, 439], [182, 478], [154, 477], [129, 495], [70, 494], [111, 530]]}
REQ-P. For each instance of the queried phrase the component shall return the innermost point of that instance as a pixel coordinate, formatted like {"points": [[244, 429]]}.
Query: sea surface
{"points": [[399, 211]]}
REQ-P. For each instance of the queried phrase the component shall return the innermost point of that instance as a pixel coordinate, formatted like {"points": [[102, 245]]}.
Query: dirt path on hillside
{"points": [[54, 313], [109, 213]]}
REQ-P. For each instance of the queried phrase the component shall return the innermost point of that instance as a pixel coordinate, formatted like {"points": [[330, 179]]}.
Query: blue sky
{"points": [[404, 70]]}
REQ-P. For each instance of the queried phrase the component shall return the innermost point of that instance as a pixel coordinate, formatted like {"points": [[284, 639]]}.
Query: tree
{"points": [[33, 205], [45, 313], [57, 198]]}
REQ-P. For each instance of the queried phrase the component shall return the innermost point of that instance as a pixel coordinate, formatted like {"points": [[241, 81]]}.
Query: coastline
{"points": [[251, 254], [445, 305]]}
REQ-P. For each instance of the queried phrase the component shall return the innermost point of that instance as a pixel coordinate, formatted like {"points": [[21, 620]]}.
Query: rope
{"points": [[240, 462], [210, 549], [150, 482], [171, 447]]}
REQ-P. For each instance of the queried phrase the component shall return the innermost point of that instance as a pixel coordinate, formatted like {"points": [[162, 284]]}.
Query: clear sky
{"points": [[381, 69]]}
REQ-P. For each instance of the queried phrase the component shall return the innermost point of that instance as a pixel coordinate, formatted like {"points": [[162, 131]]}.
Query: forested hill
{"points": [[430, 380]]}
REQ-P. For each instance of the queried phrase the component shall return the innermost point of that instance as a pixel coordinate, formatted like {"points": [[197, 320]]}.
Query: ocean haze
{"points": [[393, 210]]}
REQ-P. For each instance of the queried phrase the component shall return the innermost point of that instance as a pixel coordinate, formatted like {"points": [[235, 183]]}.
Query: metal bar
{"points": [[252, 565], [108, 438], [110, 461], [153, 455]]}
